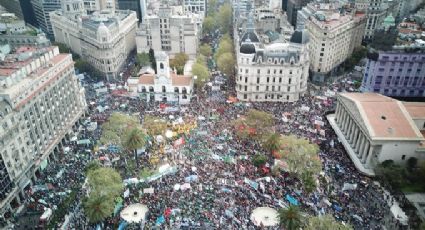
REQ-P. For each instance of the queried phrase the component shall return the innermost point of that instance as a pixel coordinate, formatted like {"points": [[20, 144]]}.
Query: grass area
{"points": [[412, 188]]}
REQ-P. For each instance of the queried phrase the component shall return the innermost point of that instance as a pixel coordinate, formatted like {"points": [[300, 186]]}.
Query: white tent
{"points": [[134, 213], [264, 216]]}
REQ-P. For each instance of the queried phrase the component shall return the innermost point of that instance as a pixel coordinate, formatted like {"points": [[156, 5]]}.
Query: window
{"points": [[290, 80], [163, 89], [280, 71], [280, 80], [258, 80], [403, 157], [258, 88], [246, 88], [161, 65], [246, 79], [289, 88], [246, 70], [245, 96], [268, 79], [268, 71], [258, 71]]}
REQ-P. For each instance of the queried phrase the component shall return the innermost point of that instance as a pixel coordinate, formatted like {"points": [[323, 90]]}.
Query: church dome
{"points": [[250, 36], [102, 30], [247, 48]]}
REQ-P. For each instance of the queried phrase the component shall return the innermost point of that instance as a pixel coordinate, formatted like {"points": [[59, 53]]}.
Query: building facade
{"points": [[293, 7], [36, 114], [374, 128], [133, 5], [333, 37], [170, 32], [164, 86], [275, 72], [195, 6], [377, 11], [395, 73], [104, 39], [42, 9]]}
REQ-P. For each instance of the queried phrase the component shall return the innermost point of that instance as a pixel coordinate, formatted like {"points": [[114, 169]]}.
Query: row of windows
{"points": [[273, 80], [268, 96], [275, 71], [273, 88]]}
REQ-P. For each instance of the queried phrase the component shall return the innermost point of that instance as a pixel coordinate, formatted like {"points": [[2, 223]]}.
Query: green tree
{"points": [[104, 182], [290, 218], [225, 46], [117, 127], [259, 160], [92, 165], [143, 59], [202, 74], [205, 50], [154, 125], [178, 62], [209, 25], [325, 222], [390, 173], [98, 208], [224, 17], [226, 63], [135, 140], [308, 182], [255, 124], [412, 162], [272, 142], [300, 155], [84, 67], [212, 7], [104, 185]]}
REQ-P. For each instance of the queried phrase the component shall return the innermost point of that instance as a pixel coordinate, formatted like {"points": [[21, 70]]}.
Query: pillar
{"points": [[356, 137], [359, 142], [369, 156], [365, 152], [353, 132]]}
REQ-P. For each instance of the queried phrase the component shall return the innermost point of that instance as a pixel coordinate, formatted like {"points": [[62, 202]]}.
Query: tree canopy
{"points": [[178, 62], [205, 50], [154, 125], [201, 72], [209, 25], [224, 17], [104, 185], [143, 59], [117, 128], [226, 63], [300, 155], [325, 222], [255, 124], [290, 218]]}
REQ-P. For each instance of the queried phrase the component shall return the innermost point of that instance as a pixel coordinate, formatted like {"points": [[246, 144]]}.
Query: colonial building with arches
{"points": [[164, 86]]}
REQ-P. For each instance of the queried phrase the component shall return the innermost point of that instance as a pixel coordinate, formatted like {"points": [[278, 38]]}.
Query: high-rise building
{"points": [[334, 34], [104, 38], [42, 9], [292, 9], [13, 6], [170, 32], [40, 102], [133, 5], [195, 6], [396, 73]]}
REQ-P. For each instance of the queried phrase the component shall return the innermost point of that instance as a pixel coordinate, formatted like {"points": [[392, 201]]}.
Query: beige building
{"points": [[170, 31], [164, 86], [104, 38], [333, 37], [40, 102], [374, 128]]}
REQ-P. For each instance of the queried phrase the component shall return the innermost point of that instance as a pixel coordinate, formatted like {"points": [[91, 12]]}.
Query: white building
{"points": [[104, 38], [10, 24], [374, 128], [164, 86], [40, 102], [377, 11], [195, 6], [170, 32], [333, 37]]}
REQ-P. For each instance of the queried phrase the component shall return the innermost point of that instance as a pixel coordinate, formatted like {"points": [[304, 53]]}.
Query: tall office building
{"points": [[133, 5], [40, 102], [42, 9], [170, 32], [195, 6], [334, 34], [104, 38], [292, 9]]}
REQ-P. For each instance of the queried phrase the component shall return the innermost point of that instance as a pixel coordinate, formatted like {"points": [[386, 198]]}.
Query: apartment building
{"points": [[40, 102]]}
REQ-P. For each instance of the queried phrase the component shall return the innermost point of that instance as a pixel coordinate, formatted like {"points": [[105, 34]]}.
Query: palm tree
{"points": [[272, 142], [98, 208], [290, 218], [135, 140], [308, 182]]}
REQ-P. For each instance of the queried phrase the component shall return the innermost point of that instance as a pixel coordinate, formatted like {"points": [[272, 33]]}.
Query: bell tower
{"points": [[162, 64]]}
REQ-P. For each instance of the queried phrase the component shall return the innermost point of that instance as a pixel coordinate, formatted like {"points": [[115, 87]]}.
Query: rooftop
{"points": [[384, 117], [415, 109]]}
